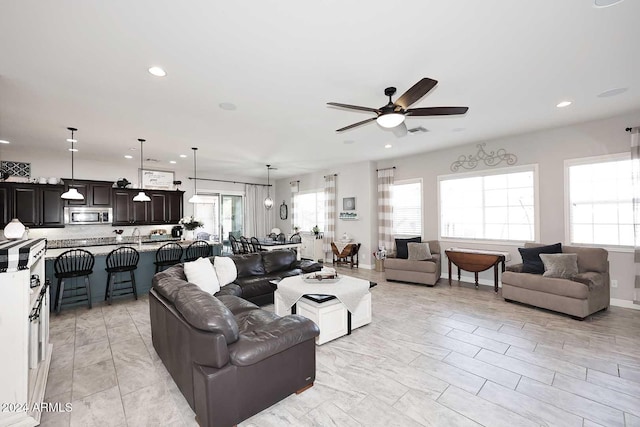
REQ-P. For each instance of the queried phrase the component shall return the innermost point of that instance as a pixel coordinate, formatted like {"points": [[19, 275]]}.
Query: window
{"points": [[489, 205], [600, 200], [221, 214], [308, 210], [406, 199]]}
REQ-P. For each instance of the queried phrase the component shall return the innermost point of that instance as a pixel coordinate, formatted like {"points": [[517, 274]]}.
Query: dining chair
{"points": [[295, 238], [281, 238], [257, 246], [246, 246]]}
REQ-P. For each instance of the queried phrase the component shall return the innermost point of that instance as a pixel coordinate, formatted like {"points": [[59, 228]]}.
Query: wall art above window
{"points": [[492, 158]]}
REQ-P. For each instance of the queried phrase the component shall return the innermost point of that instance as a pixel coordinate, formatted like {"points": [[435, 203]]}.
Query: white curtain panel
{"points": [[329, 213], [385, 209], [635, 167], [258, 221]]}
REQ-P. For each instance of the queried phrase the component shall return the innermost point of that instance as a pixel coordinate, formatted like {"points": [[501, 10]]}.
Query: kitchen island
{"points": [[144, 273]]}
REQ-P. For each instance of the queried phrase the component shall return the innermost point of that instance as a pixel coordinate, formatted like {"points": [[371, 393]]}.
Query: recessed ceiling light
{"points": [[612, 92], [388, 146], [349, 141], [227, 106], [157, 71], [172, 162], [3, 141], [563, 104], [128, 156], [73, 149], [184, 156], [605, 3]]}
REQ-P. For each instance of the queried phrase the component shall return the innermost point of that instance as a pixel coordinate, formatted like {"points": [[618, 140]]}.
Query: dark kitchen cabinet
{"points": [[96, 193], [38, 206], [165, 207], [5, 205], [126, 211]]}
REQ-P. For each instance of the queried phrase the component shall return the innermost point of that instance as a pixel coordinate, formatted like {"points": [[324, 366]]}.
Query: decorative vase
{"points": [[14, 230], [189, 235]]}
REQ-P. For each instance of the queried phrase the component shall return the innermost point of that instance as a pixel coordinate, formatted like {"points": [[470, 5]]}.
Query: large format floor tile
{"points": [[441, 356]]}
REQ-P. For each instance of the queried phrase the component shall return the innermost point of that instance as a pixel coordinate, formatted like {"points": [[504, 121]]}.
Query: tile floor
{"points": [[431, 357]]}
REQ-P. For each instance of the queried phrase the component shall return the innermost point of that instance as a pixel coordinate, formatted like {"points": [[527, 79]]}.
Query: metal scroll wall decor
{"points": [[492, 158]]}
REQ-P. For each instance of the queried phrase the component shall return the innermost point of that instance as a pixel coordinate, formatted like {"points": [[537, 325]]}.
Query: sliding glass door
{"points": [[221, 214]]}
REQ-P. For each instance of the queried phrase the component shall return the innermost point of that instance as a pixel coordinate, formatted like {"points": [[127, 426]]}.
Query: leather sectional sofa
{"points": [[256, 271], [229, 358]]}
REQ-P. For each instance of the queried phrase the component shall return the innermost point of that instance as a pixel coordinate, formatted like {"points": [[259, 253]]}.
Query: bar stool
{"points": [[72, 264], [246, 246], [121, 260], [196, 250], [168, 255]]}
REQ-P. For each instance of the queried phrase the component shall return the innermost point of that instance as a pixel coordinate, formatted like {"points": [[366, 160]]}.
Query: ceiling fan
{"points": [[394, 113]]}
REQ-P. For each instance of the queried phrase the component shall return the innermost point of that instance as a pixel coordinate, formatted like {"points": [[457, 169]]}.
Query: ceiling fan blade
{"points": [[400, 130], [436, 111], [354, 107], [356, 124], [416, 92]]}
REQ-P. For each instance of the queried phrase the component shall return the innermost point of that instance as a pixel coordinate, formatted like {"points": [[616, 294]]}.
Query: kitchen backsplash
{"points": [[92, 231]]}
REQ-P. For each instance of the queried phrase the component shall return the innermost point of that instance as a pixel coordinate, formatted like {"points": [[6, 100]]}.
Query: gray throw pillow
{"points": [[563, 266], [419, 251]]}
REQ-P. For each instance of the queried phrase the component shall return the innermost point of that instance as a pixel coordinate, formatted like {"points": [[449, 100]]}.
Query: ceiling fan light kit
{"points": [[72, 192], [394, 113]]}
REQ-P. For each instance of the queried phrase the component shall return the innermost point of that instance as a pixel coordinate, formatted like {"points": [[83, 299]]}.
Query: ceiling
{"points": [[84, 64]]}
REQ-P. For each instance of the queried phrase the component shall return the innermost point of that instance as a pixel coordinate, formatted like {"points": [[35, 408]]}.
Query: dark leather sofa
{"points": [[229, 358], [257, 270]]}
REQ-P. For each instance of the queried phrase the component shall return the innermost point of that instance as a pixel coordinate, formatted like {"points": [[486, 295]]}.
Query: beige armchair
{"points": [[426, 272]]}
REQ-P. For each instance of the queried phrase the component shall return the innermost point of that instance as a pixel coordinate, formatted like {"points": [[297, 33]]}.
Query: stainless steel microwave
{"points": [[85, 215]]}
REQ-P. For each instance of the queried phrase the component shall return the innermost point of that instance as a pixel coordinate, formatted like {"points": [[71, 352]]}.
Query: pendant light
{"points": [[268, 202], [141, 196], [195, 198], [72, 192]]}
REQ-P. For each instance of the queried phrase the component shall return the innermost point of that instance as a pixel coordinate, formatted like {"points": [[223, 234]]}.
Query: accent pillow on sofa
{"points": [[202, 273], [225, 270], [564, 266], [531, 262], [401, 246], [419, 251]]}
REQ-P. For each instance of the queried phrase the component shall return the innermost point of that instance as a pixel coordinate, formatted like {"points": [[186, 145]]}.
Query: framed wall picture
{"points": [[157, 180], [349, 203]]}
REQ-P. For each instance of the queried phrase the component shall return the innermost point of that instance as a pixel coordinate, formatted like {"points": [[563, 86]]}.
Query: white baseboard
{"points": [[624, 303]]}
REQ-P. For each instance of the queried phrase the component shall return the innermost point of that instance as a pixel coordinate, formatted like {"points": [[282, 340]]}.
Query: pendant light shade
{"points": [[72, 192], [141, 196], [268, 202], [195, 198]]}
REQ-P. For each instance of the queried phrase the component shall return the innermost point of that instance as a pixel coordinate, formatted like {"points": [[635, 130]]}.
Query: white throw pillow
{"points": [[202, 273], [225, 269]]}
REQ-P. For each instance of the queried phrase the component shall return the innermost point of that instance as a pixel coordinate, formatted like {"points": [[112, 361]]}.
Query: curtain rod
{"points": [[335, 174], [631, 129], [232, 182], [384, 169]]}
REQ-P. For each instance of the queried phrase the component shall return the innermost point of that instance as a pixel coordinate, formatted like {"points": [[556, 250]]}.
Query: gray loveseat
{"points": [[580, 296]]}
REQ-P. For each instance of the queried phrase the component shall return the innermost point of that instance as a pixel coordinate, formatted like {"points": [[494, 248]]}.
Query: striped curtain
{"points": [[329, 213], [385, 210], [635, 177], [294, 189]]}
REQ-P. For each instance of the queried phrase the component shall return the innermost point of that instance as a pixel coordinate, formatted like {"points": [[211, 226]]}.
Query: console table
{"points": [[475, 260]]}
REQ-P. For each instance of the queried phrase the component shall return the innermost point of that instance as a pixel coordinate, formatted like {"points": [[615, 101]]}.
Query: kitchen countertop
{"points": [[105, 249]]}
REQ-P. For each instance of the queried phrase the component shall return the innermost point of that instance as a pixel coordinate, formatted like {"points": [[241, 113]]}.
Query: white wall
{"points": [[353, 180], [548, 149]]}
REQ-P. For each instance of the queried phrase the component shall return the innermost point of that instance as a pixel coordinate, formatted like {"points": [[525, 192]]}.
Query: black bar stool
{"points": [[72, 264], [246, 246], [197, 249], [121, 260], [168, 255]]}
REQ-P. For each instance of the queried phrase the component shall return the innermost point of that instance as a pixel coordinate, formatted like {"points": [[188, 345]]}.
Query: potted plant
{"points": [[190, 224], [315, 230]]}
